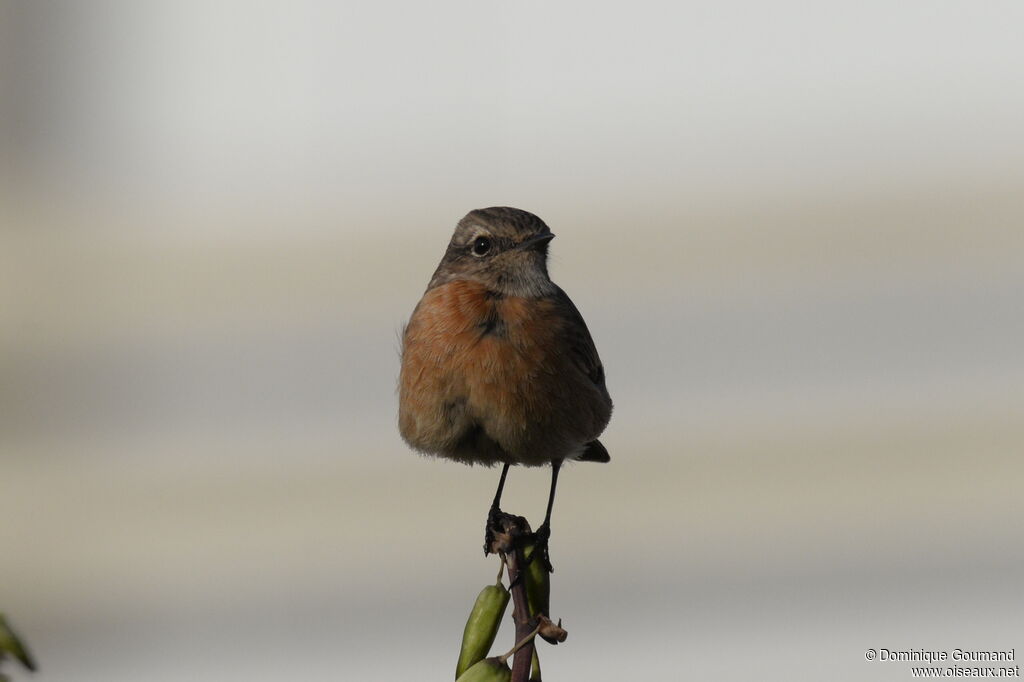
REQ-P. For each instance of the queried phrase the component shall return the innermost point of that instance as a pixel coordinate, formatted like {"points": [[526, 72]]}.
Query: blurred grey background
{"points": [[794, 228]]}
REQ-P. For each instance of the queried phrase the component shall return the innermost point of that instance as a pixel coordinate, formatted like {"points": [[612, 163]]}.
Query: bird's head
{"points": [[505, 249]]}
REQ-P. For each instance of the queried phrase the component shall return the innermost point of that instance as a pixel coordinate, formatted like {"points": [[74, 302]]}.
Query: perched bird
{"points": [[498, 366]]}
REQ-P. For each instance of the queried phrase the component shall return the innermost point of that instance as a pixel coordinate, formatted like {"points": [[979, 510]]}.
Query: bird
{"points": [[497, 363]]}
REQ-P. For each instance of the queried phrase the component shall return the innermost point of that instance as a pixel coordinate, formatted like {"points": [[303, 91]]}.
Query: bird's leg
{"points": [[495, 512], [543, 534], [495, 506]]}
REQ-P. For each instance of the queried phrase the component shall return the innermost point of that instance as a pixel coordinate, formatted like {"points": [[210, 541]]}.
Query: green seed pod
{"points": [[482, 627], [487, 670], [538, 584], [11, 645]]}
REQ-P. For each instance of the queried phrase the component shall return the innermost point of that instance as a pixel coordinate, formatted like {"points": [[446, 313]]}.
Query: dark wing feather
{"points": [[584, 356], [582, 347]]}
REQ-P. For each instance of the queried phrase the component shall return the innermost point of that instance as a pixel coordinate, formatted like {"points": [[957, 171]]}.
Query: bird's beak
{"points": [[537, 241]]}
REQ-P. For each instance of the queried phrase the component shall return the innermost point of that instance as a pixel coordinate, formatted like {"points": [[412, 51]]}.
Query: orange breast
{"points": [[470, 360]]}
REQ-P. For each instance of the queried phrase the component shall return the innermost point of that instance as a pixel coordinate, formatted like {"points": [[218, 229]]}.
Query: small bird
{"points": [[498, 365]]}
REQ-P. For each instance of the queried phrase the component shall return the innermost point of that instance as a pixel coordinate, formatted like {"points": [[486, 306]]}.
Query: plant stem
{"points": [[520, 615], [520, 644]]}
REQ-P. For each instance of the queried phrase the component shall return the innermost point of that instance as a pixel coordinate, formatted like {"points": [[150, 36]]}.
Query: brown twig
{"points": [[509, 533], [520, 616], [520, 644]]}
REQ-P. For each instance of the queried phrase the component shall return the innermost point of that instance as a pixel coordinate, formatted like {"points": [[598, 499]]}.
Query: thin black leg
{"points": [[543, 534], [556, 464], [495, 512], [501, 486]]}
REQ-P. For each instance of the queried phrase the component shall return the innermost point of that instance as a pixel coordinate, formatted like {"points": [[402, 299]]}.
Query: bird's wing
{"points": [[581, 345]]}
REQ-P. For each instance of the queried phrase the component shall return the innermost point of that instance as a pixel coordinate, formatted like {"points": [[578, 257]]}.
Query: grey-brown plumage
{"points": [[497, 363]]}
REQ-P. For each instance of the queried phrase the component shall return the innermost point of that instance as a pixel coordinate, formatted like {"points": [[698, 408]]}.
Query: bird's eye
{"points": [[481, 245]]}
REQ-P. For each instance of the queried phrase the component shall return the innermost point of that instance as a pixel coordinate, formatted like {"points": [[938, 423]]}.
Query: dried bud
{"points": [[552, 634]]}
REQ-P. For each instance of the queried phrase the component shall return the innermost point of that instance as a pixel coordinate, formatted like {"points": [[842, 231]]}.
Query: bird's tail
{"points": [[594, 452]]}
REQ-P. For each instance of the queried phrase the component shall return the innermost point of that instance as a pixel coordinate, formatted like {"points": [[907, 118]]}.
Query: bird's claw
{"points": [[493, 517]]}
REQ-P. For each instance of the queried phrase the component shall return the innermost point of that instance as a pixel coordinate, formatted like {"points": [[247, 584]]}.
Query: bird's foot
{"points": [[540, 547], [492, 528]]}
